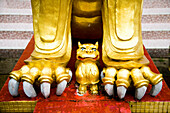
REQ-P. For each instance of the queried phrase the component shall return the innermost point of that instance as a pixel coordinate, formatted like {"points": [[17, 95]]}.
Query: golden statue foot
{"points": [[52, 49], [140, 77], [94, 89], [122, 49], [82, 89], [46, 71]]}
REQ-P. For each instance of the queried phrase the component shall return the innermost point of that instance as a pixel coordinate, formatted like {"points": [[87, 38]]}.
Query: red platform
{"points": [[70, 102]]}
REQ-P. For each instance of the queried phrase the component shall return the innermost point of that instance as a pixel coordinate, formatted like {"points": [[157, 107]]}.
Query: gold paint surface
{"points": [[87, 72], [61, 74], [17, 106], [123, 78], [51, 20], [87, 8], [44, 70], [110, 74], [83, 21], [153, 77], [138, 78], [122, 39], [86, 19], [86, 51], [125, 19], [149, 107]]}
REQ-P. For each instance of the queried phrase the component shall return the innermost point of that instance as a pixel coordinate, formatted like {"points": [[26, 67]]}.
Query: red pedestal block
{"points": [[69, 101]]}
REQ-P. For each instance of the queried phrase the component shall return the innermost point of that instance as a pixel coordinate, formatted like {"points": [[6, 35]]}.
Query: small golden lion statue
{"points": [[87, 72]]}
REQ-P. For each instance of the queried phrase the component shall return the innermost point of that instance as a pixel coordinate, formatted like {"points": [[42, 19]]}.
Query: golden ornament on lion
{"points": [[122, 47]]}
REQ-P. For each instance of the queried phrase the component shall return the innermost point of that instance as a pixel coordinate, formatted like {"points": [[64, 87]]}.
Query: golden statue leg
{"points": [[82, 89], [122, 47], [94, 89], [52, 34], [86, 19]]}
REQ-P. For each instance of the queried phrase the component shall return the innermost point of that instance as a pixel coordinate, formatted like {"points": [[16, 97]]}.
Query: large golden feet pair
{"points": [[46, 71], [122, 48], [140, 77]]}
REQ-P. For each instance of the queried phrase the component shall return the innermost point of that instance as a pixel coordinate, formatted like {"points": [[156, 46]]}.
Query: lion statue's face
{"points": [[87, 51]]}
